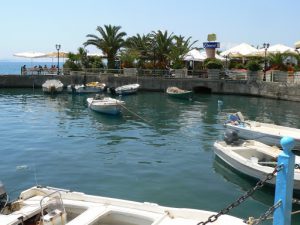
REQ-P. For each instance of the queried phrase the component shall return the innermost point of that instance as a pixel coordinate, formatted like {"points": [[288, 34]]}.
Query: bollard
{"points": [[285, 183]]}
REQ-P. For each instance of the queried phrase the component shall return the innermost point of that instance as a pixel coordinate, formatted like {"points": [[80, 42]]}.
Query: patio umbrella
{"points": [[30, 55], [54, 55], [240, 50], [99, 54], [193, 55], [297, 44], [278, 48]]}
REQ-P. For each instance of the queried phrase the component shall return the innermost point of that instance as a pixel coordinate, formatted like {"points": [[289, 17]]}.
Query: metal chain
{"points": [[297, 166], [296, 201], [241, 199], [265, 216]]}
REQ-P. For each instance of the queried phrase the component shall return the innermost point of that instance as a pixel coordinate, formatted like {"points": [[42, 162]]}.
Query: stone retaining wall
{"points": [[285, 91]]}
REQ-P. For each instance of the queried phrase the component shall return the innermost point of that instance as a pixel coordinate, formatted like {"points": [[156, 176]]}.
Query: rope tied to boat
{"points": [[241, 199]]}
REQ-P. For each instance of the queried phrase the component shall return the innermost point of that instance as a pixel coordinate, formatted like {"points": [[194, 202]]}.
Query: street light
{"points": [[57, 46], [265, 46]]}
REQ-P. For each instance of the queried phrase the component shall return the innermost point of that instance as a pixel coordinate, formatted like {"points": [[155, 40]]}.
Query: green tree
{"points": [[162, 43], [179, 48], [141, 47], [110, 42], [277, 61]]}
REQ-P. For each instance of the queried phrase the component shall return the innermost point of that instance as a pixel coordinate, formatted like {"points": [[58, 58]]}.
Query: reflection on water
{"points": [[162, 152]]}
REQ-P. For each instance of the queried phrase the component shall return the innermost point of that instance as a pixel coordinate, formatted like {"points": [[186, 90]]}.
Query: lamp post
{"points": [[265, 46], [57, 46]]}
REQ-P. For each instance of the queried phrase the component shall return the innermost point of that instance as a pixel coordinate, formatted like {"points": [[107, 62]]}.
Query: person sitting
{"points": [[23, 70]]}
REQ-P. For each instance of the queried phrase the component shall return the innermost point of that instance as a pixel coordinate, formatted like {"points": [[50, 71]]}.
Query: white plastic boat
{"points": [[52, 206], [105, 105], [53, 86], [253, 158], [179, 93], [127, 89], [266, 133], [92, 87]]}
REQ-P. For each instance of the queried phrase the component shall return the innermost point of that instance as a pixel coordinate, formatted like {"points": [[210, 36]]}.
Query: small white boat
{"points": [[53, 206], [92, 87], [266, 133], [179, 93], [253, 158], [127, 89], [105, 105], [53, 86]]}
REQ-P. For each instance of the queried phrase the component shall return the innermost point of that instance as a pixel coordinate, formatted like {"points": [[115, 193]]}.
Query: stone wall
{"points": [[276, 90]]}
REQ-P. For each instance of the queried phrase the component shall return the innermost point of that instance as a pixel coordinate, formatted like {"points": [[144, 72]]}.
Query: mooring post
{"points": [[285, 183]]}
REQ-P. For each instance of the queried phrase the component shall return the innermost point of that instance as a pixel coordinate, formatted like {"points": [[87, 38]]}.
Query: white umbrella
{"points": [[274, 49], [240, 50], [30, 55], [100, 54], [297, 44], [194, 55]]}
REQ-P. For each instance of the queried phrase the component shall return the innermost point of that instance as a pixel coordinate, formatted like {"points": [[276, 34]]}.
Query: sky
{"points": [[37, 25]]}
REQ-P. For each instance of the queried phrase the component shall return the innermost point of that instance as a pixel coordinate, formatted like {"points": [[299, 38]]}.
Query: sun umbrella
{"points": [[297, 44], [274, 49], [240, 50], [30, 55], [193, 55], [54, 54], [99, 54]]}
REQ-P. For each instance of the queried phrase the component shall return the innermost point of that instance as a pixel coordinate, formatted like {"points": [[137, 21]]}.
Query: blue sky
{"points": [[37, 25]]}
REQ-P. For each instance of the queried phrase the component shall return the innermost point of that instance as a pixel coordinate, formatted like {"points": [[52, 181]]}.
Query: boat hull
{"points": [[80, 88], [127, 89], [185, 95], [52, 86], [111, 108], [79, 208], [248, 166], [254, 131]]}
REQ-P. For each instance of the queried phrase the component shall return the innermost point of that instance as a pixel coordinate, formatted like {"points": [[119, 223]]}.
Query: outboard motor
{"points": [[3, 197], [231, 137]]}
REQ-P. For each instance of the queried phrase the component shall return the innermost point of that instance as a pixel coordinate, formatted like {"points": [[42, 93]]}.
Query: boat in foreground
{"points": [[253, 158], [52, 206], [52, 86], [105, 105], [92, 87], [179, 93], [127, 89], [266, 133]]}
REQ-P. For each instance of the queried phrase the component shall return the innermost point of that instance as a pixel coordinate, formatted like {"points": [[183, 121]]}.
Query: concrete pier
{"points": [[275, 90]]}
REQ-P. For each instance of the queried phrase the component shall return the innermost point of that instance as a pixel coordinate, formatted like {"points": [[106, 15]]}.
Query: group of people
{"points": [[39, 69]]}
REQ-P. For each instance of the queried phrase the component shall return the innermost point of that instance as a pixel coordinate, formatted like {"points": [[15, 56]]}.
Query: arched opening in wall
{"points": [[201, 89]]}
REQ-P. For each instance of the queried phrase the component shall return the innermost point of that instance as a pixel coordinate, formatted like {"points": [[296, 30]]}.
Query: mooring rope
{"points": [[147, 121]]}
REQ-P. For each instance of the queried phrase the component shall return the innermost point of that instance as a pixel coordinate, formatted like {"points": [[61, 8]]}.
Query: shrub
{"points": [[253, 66], [213, 64]]}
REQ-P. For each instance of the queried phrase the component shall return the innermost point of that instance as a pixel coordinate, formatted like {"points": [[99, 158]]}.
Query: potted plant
{"points": [[213, 67], [253, 67]]}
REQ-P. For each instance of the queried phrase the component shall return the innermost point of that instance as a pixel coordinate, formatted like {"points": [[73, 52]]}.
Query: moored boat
{"points": [[127, 89], [105, 105], [179, 93], [52, 86], [266, 133], [92, 87], [48, 206], [253, 158]]}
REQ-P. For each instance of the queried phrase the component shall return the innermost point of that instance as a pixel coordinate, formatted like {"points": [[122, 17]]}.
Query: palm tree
{"points": [[140, 45], [277, 61], [110, 42], [161, 45], [178, 50]]}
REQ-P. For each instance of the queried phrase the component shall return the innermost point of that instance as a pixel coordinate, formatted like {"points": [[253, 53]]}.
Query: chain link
{"points": [[296, 201], [264, 216], [241, 199]]}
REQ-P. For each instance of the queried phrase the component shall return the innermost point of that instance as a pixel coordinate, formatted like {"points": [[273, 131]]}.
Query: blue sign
{"points": [[211, 44]]}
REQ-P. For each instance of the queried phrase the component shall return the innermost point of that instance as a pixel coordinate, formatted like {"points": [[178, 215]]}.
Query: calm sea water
{"points": [[166, 157], [14, 68]]}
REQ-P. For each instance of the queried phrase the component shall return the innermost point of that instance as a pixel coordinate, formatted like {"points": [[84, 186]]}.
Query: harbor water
{"points": [[159, 150]]}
